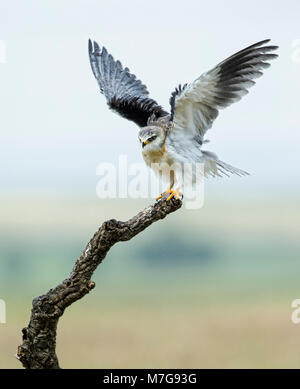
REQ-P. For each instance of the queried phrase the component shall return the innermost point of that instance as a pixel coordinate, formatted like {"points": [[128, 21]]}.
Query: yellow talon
{"points": [[169, 190], [175, 193], [171, 196]]}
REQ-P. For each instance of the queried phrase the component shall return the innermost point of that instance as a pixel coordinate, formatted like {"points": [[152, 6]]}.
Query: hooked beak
{"points": [[144, 143]]}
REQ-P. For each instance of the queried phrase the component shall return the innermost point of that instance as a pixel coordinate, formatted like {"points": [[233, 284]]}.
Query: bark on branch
{"points": [[39, 339]]}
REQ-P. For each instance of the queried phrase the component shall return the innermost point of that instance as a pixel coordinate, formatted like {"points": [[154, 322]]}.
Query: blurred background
{"points": [[203, 288]]}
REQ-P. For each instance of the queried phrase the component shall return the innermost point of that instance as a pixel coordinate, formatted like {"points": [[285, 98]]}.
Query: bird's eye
{"points": [[152, 138]]}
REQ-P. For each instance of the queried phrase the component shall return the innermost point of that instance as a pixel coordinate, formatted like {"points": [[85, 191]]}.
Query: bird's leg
{"points": [[169, 190]]}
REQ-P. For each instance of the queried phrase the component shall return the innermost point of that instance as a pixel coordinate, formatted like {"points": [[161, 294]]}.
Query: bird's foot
{"points": [[175, 193], [170, 193]]}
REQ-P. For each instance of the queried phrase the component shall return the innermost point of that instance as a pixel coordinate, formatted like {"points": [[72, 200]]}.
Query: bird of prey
{"points": [[177, 137]]}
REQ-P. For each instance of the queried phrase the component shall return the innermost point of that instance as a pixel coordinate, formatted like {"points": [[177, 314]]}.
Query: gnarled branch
{"points": [[39, 338]]}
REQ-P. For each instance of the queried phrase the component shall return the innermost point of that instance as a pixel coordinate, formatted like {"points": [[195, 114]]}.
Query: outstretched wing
{"points": [[124, 93], [194, 107]]}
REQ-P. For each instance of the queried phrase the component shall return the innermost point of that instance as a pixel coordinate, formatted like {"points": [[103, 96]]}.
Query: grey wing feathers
{"points": [[237, 72], [196, 106], [124, 93]]}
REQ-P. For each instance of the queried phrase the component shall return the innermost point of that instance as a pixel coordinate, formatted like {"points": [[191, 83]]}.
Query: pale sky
{"points": [[55, 125]]}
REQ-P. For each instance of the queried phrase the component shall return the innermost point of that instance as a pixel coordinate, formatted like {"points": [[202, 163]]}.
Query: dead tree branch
{"points": [[39, 338]]}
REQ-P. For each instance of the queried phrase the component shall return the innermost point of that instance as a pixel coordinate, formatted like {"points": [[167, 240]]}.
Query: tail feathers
{"points": [[216, 168], [225, 168]]}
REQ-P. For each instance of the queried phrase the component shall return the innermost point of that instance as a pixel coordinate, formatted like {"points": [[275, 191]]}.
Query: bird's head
{"points": [[152, 137]]}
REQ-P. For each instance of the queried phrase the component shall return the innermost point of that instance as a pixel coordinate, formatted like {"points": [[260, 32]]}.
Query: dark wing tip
{"points": [[263, 42], [263, 45], [96, 47], [90, 46], [177, 92], [255, 45]]}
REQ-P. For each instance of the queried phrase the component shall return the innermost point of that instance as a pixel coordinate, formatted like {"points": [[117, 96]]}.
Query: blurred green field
{"points": [[205, 288]]}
